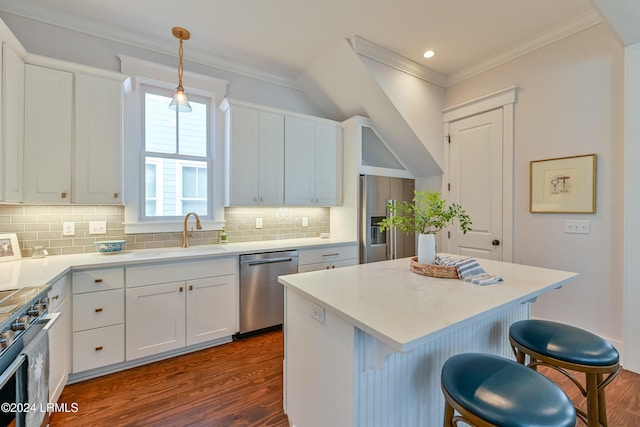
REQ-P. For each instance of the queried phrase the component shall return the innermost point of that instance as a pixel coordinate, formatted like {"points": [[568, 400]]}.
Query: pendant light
{"points": [[180, 102]]}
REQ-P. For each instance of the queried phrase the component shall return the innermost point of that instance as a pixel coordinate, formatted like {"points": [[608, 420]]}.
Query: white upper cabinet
{"points": [[48, 133], [12, 126], [313, 162], [98, 140], [255, 156], [73, 136]]}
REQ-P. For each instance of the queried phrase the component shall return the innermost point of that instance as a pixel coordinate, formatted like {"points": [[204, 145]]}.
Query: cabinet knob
{"points": [[55, 297], [496, 242], [63, 195], [99, 348], [255, 199], [261, 200], [98, 310], [115, 195]]}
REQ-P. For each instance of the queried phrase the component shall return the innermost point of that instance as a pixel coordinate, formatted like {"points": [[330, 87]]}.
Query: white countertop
{"points": [[29, 272], [405, 310]]}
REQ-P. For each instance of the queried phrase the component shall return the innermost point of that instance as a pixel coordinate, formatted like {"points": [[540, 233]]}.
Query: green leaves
{"points": [[428, 213]]}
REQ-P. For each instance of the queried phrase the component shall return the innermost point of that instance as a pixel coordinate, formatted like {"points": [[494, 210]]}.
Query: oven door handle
{"points": [[50, 319], [12, 369]]}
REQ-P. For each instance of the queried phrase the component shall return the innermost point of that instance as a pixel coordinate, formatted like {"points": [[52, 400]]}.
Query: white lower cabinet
{"points": [[177, 313], [59, 337], [334, 256], [155, 319], [98, 318]]}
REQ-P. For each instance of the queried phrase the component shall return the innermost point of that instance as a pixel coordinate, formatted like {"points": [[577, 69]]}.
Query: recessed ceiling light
{"points": [[429, 54]]}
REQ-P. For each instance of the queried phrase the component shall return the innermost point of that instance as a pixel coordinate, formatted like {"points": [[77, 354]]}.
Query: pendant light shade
{"points": [[180, 102]]}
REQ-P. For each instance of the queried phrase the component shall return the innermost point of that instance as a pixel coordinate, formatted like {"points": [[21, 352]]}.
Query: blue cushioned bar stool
{"points": [[491, 391], [563, 347]]}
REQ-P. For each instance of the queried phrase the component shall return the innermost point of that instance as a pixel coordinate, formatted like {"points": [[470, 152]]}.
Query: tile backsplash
{"points": [[41, 225]]}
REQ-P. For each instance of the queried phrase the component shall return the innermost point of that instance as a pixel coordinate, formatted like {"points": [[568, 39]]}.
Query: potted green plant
{"points": [[427, 214]]}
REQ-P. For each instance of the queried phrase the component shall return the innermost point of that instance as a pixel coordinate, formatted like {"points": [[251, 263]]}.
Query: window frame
{"points": [[145, 73]]}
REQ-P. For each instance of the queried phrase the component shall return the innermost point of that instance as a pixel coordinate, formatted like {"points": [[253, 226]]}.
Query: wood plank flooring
{"points": [[236, 384], [239, 385]]}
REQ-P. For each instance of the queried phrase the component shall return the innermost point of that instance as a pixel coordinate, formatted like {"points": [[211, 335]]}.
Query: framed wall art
{"points": [[563, 185], [9, 248]]}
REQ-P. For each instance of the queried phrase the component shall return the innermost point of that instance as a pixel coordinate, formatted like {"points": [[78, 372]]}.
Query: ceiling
{"points": [[284, 37]]}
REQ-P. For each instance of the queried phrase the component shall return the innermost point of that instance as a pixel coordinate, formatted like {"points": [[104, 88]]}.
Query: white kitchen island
{"points": [[364, 344]]}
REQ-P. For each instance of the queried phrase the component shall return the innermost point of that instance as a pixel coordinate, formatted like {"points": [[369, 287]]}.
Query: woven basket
{"points": [[432, 270]]}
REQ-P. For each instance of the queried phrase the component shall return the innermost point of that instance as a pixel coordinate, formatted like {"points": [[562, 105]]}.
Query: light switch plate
{"points": [[97, 227], [576, 226], [305, 221], [258, 222]]}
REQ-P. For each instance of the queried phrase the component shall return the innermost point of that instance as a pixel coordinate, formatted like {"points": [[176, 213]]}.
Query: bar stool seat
{"points": [[489, 391], [563, 347]]}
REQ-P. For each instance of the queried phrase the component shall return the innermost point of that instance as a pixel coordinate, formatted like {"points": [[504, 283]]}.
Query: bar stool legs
{"points": [[565, 348]]}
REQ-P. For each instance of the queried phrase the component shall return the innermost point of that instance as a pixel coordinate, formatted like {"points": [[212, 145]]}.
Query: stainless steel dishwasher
{"points": [[261, 296]]}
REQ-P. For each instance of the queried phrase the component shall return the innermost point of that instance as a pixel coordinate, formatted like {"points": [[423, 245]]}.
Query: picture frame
{"points": [[563, 185], [9, 247]]}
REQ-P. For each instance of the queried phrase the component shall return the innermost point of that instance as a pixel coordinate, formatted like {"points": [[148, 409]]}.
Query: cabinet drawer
{"points": [[98, 347], [58, 292], [326, 265], [179, 271], [97, 280], [98, 309], [314, 256]]}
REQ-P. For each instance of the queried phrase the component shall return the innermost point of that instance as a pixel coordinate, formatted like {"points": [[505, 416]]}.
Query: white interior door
{"points": [[475, 179]]}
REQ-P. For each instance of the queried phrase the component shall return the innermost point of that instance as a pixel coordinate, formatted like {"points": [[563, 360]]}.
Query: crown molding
{"points": [[378, 53], [582, 22], [155, 45]]}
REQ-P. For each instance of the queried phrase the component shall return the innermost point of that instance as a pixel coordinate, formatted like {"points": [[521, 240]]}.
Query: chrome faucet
{"points": [[186, 234]]}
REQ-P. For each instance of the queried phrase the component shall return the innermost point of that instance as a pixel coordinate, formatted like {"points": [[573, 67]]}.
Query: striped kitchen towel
{"points": [[469, 269]]}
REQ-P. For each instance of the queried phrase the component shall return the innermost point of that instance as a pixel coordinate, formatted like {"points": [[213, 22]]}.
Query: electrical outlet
{"points": [[68, 228], [318, 313], [97, 227], [577, 226], [305, 221], [258, 222]]}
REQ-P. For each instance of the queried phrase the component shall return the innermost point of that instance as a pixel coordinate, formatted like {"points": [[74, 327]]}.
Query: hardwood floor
{"points": [[236, 384], [239, 385]]}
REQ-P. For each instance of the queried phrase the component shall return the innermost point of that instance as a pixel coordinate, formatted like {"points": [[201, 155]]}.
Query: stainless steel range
{"points": [[24, 357]]}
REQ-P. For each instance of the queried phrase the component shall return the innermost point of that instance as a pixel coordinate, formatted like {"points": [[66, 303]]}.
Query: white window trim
{"points": [[142, 71]]}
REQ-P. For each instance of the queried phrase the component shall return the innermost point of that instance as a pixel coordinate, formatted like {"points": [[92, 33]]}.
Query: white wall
{"points": [[570, 102], [632, 208]]}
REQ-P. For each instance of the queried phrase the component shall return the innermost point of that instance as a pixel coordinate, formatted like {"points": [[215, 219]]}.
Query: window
{"points": [[176, 155], [173, 161]]}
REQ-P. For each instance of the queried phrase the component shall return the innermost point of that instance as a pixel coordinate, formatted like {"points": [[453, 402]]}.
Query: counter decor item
{"points": [[110, 246], [427, 214], [9, 247], [223, 236], [434, 270]]}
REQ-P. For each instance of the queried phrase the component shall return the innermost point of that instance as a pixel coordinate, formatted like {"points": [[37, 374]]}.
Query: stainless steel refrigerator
{"points": [[375, 193]]}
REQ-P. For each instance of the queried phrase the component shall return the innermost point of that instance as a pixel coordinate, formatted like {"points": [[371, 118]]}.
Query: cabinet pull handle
{"points": [[336, 254], [181, 289], [63, 195], [98, 281], [55, 297], [190, 287], [99, 348], [98, 310], [115, 195]]}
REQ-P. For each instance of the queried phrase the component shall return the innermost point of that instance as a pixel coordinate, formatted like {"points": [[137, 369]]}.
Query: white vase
{"points": [[426, 248]]}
